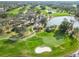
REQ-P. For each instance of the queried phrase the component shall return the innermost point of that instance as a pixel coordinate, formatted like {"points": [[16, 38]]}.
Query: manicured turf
{"points": [[60, 14], [14, 12], [61, 45]]}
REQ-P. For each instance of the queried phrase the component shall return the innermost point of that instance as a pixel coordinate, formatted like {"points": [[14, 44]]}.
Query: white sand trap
{"points": [[39, 50]]}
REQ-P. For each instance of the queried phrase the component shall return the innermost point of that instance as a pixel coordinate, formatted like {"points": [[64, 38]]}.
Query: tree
{"points": [[77, 32], [77, 16], [19, 30], [1, 31], [51, 28], [48, 29], [64, 26], [43, 7], [43, 20], [77, 29], [4, 15]]}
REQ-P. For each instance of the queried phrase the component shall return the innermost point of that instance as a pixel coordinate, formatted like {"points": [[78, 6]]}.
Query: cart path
{"points": [[33, 34]]}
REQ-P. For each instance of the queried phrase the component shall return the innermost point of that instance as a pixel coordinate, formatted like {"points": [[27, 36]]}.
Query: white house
{"points": [[2, 10]]}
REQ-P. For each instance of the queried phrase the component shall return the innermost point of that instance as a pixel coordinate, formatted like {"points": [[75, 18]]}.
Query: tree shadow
{"points": [[9, 41], [59, 35]]}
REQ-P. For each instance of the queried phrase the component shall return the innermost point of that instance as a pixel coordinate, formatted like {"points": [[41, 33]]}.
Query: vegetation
{"points": [[4, 15], [23, 28], [26, 48], [14, 12], [61, 14]]}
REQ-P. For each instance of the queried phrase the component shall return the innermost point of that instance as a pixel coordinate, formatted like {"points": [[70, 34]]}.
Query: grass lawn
{"points": [[26, 8], [14, 12], [55, 14], [60, 14], [60, 45]]}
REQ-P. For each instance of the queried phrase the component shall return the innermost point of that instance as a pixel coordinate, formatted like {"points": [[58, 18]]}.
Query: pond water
{"points": [[40, 50], [59, 20]]}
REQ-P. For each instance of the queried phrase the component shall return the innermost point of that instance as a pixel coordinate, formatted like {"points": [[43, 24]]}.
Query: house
{"points": [[2, 10], [77, 8], [37, 27]]}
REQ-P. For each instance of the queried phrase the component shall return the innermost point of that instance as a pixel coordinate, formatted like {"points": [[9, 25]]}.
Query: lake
{"points": [[59, 20]]}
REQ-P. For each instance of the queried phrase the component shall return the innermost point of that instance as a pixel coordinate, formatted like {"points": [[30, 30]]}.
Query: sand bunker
{"points": [[39, 50]]}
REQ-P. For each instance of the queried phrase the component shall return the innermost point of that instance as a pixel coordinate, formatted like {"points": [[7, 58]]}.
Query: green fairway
{"points": [[61, 45], [14, 12], [60, 14]]}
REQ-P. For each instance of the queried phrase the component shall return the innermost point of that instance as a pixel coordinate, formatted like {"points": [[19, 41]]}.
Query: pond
{"points": [[59, 20]]}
